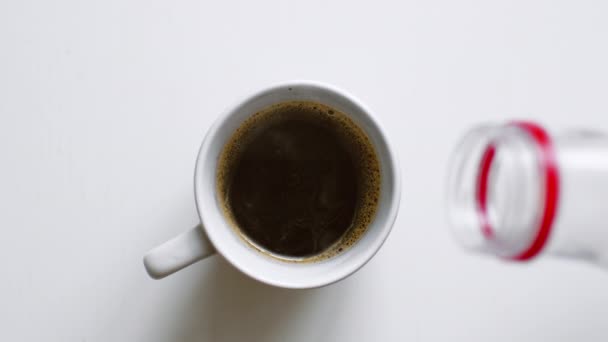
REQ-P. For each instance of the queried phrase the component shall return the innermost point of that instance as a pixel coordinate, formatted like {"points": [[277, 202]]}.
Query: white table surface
{"points": [[103, 105]]}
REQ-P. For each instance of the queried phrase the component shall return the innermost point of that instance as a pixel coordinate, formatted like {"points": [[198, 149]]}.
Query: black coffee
{"points": [[299, 179]]}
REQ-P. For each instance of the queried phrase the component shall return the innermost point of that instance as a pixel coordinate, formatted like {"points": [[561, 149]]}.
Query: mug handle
{"points": [[177, 253]]}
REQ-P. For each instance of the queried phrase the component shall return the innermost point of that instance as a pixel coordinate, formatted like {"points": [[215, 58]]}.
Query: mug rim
{"points": [[212, 134]]}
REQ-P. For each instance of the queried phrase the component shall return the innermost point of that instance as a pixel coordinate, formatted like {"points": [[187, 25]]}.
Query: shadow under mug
{"points": [[215, 234]]}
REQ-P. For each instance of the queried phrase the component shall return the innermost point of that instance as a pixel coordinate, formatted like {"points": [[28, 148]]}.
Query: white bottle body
{"points": [[580, 229]]}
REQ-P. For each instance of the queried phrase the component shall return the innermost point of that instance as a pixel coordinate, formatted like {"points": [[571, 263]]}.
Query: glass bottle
{"points": [[516, 191]]}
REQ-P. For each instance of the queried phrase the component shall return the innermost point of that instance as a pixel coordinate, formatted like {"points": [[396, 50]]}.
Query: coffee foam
{"points": [[355, 139]]}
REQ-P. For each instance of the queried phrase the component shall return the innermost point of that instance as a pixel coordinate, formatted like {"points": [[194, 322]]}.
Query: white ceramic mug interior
{"points": [[238, 252]]}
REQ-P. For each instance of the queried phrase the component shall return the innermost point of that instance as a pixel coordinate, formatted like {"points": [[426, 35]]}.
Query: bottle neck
{"points": [[581, 227], [504, 190]]}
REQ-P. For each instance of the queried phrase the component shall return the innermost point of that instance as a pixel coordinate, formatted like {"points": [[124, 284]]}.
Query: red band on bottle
{"points": [[482, 190], [548, 167]]}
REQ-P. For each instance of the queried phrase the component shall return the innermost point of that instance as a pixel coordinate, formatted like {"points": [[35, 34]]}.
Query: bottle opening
{"points": [[502, 190]]}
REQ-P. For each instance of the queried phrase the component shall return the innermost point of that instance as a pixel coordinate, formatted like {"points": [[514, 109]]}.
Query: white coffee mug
{"points": [[215, 235]]}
